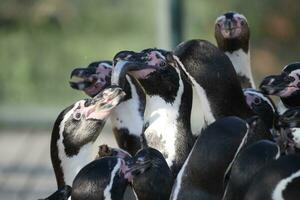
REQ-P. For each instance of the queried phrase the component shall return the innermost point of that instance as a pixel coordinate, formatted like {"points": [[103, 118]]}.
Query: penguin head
{"points": [[232, 32], [93, 78], [262, 106], [105, 150], [82, 122], [156, 69], [148, 167], [101, 179], [284, 85]]}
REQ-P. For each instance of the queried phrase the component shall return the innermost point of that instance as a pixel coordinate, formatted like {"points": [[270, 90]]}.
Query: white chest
{"points": [[127, 115]]}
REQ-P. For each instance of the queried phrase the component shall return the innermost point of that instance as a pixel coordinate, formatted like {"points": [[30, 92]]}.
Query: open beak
{"points": [[273, 85], [100, 106]]}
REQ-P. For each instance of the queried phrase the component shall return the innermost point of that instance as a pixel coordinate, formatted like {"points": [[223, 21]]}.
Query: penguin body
{"points": [[216, 89], [168, 101]]}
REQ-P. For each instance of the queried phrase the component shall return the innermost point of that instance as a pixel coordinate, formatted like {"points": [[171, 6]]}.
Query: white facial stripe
{"points": [[106, 65], [117, 71], [281, 186], [199, 94], [107, 191], [262, 97], [278, 152], [160, 55], [296, 136], [240, 16]]}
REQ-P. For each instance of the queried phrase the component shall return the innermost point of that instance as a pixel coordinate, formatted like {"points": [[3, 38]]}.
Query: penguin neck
{"points": [[241, 62], [168, 125], [131, 110]]}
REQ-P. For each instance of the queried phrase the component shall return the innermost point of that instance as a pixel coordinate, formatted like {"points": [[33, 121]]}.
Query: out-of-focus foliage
{"points": [[41, 41]]}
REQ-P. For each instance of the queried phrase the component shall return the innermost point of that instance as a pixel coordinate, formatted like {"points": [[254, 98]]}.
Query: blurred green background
{"points": [[41, 41]]}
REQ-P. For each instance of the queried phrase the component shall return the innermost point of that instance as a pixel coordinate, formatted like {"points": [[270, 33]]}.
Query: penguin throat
{"points": [[131, 110], [241, 63]]}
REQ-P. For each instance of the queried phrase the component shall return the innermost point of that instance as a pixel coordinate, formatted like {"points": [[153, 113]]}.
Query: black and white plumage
{"points": [[96, 77], [278, 180], [201, 176], [247, 164], [168, 101], [75, 131], [62, 193], [216, 90], [232, 34]]}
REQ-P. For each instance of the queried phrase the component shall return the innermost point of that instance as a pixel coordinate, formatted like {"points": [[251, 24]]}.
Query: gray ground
{"points": [[25, 165]]}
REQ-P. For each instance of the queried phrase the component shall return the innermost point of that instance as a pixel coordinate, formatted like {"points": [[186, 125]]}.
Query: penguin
{"points": [[75, 131], [202, 174], [97, 76], [152, 182], [232, 34], [248, 163], [279, 179], [101, 179], [168, 101], [285, 85], [263, 106], [217, 92]]}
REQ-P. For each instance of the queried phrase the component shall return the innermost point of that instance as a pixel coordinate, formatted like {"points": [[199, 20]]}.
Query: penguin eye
{"points": [[162, 64], [257, 101], [242, 22], [77, 116], [288, 79]]}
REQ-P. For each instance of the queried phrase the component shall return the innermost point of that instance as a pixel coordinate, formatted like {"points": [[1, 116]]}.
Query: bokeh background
{"points": [[41, 41]]}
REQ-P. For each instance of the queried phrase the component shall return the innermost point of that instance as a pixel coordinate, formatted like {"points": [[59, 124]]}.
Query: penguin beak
{"points": [[139, 166], [274, 85], [136, 68], [84, 76], [290, 118], [101, 105], [91, 80]]}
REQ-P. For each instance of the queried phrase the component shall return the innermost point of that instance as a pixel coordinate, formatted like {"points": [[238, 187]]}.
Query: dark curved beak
{"points": [[84, 75], [272, 85], [122, 67], [136, 167]]}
